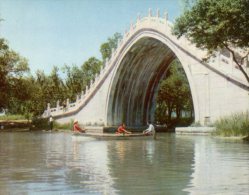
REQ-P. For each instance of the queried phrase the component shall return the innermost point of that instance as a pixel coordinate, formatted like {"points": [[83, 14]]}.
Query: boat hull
{"points": [[112, 136]]}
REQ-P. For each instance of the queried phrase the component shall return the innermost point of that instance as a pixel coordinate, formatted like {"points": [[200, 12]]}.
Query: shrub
{"points": [[66, 126], [39, 123]]}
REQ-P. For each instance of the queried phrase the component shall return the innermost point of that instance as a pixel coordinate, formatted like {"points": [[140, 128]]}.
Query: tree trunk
{"points": [[238, 64]]}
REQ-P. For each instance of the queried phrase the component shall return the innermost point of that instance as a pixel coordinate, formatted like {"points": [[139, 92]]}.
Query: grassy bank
{"points": [[12, 117], [13, 122], [233, 125]]}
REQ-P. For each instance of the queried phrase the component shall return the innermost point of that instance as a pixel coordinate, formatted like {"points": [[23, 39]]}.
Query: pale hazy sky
{"points": [[58, 32]]}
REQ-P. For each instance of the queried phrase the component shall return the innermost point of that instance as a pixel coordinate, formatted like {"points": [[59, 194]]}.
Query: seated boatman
{"points": [[76, 127], [121, 130], [150, 130]]}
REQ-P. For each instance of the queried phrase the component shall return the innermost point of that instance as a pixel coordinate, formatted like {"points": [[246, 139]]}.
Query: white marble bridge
{"points": [[125, 89]]}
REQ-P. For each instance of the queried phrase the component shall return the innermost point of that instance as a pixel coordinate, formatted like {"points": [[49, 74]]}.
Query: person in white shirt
{"points": [[51, 122], [150, 130]]}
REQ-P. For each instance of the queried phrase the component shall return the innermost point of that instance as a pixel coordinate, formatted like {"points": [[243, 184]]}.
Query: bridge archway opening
{"points": [[134, 88]]}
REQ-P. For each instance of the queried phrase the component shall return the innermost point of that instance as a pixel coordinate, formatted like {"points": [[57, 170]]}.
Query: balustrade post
{"points": [[119, 41], [166, 16], [77, 99], [86, 89], [231, 61], [101, 68], [218, 58], [245, 62], [82, 94], [131, 26], [158, 13], [67, 103], [58, 105], [126, 33], [138, 17], [48, 106], [150, 13], [48, 110], [106, 62], [112, 52]]}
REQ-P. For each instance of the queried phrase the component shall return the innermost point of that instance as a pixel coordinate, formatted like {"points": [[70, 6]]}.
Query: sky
{"points": [[56, 32]]}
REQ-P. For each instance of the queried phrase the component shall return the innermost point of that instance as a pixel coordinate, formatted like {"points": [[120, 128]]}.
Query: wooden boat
{"points": [[111, 135]]}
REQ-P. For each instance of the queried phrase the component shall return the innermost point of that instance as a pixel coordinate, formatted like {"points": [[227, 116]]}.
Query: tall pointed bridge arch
{"points": [[125, 89]]}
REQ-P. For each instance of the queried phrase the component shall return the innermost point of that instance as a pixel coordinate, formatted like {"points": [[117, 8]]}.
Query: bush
{"points": [[66, 126], [234, 125], [39, 123], [43, 124]]}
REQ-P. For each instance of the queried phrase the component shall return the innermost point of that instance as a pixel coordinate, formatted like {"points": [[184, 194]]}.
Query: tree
{"points": [[75, 81], [90, 68], [216, 25], [12, 68], [174, 94], [112, 43], [56, 84], [46, 89]]}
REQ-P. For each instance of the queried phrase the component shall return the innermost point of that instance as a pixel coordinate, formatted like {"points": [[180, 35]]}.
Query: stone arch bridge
{"points": [[125, 89]]}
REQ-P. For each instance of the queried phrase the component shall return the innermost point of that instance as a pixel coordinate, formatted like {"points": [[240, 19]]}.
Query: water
{"points": [[56, 163]]}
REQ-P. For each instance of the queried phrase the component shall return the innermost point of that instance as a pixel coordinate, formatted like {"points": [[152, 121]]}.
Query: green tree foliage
{"points": [[174, 95], [25, 94], [112, 43], [56, 84], [74, 81], [43, 90], [217, 24], [90, 68], [12, 68]]}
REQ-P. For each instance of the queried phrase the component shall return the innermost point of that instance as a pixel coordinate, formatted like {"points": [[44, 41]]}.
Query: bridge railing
{"points": [[149, 21], [226, 64]]}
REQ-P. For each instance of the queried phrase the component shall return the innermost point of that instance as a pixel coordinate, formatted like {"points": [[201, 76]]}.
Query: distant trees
{"points": [[23, 93], [112, 43], [74, 82], [216, 25], [174, 96], [12, 68], [90, 68]]}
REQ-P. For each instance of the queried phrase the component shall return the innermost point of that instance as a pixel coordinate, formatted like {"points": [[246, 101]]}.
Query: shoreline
{"points": [[25, 126], [233, 137], [246, 138]]}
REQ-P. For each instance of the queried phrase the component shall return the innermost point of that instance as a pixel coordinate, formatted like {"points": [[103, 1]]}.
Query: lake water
{"points": [[56, 163]]}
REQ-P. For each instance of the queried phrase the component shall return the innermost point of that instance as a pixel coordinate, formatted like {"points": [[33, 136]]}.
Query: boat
{"points": [[111, 135]]}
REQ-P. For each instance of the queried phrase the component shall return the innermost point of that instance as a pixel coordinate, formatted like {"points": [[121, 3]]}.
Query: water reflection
{"points": [[54, 163], [89, 169], [220, 167], [150, 167]]}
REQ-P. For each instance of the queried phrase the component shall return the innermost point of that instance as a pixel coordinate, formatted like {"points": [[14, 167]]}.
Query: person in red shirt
{"points": [[76, 127], [121, 130]]}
